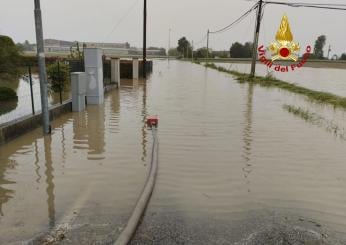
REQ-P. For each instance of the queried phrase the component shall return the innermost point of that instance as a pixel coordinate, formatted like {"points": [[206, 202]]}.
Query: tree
{"points": [[184, 47], [319, 45], [201, 53], [58, 76], [9, 56], [173, 52], [343, 56], [239, 50]]}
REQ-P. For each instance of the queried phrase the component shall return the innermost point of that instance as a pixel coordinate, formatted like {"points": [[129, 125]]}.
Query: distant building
{"points": [[124, 49], [61, 46]]}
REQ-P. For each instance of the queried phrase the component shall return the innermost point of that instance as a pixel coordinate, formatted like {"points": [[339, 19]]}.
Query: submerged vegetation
{"points": [[270, 81], [315, 119], [7, 94]]}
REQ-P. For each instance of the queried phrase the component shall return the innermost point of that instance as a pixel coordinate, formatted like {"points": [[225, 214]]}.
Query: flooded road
{"points": [[233, 165]]}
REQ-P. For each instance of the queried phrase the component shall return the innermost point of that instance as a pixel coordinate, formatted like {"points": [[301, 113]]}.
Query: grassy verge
{"points": [[270, 81], [315, 119]]}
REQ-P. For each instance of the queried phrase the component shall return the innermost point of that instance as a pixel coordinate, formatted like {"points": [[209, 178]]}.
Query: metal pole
{"points": [[208, 44], [145, 39], [60, 83], [31, 92], [42, 67], [192, 51], [256, 36]]}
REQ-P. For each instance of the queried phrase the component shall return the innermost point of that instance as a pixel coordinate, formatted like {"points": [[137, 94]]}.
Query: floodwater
{"points": [[23, 106], [232, 165], [321, 79]]}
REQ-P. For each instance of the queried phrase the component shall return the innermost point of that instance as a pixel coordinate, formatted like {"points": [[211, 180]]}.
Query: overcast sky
{"points": [[121, 21]]}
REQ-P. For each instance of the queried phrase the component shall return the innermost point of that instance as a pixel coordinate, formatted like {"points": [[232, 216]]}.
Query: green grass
{"points": [[270, 81], [315, 119]]}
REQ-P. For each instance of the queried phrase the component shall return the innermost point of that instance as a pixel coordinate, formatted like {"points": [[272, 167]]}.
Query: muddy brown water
{"points": [[23, 107], [233, 165]]}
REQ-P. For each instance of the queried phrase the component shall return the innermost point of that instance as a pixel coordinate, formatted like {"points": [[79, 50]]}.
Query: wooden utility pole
{"points": [[256, 36], [145, 39], [208, 44]]}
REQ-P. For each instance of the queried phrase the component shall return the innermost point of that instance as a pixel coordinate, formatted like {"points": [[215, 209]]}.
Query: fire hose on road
{"points": [[138, 212]]}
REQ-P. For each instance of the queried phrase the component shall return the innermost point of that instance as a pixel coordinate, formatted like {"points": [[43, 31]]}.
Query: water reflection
{"points": [[96, 132], [5, 194], [144, 115], [115, 108], [49, 180], [247, 136], [36, 163], [23, 106], [80, 131]]}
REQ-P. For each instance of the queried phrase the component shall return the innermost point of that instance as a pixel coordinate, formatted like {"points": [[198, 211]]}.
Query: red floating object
{"points": [[152, 121]]}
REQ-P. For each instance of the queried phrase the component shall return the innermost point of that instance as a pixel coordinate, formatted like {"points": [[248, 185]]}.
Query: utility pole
{"points": [[256, 36], [169, 41], [192, 51], [208, 44], [329, 49], [42, 67], [145, 39]]}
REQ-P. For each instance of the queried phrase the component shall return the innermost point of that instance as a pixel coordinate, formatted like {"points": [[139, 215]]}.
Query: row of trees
{"points": [[239, 50]]}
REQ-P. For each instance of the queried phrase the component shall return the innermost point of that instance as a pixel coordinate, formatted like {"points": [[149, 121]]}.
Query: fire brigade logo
{"points": [[284, 48]]}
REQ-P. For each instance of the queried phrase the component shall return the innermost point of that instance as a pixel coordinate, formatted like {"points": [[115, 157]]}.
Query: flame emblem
{"points": [[284, 48]]}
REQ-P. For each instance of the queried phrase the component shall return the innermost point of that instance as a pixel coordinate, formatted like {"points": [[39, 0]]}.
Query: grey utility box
{"points": [[78, 84], [94, 75]]}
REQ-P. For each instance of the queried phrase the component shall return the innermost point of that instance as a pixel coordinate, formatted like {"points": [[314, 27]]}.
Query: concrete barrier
{"points": [[13, 129]]}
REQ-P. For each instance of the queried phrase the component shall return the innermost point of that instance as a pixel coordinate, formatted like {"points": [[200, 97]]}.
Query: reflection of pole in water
{"points": [[144, 115], [37, 160], [49, 180], [247, 136], [63, 145], [115, 105]]}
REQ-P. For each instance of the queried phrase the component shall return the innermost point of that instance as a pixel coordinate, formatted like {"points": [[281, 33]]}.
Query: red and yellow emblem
{"points": [[284, 48]]}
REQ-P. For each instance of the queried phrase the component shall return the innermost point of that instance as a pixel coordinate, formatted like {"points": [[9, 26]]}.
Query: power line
{"points": [[236, 21], [201, 40], [121, 19], [310, 5]]}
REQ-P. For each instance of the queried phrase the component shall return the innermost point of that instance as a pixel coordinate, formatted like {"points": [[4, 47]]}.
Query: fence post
{"points": [[60, 82], [31, 92]]}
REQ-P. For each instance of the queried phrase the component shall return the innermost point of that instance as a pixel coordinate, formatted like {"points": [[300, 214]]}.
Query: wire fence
{"points": [[27, 86]]}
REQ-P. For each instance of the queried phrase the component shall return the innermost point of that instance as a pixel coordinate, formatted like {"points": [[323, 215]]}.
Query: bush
{"points": [[58, 75], [9, 56], [7, 94]]}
